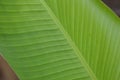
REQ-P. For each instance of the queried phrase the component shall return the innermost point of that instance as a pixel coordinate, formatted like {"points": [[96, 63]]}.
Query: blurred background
{"points": [[114, 5]]}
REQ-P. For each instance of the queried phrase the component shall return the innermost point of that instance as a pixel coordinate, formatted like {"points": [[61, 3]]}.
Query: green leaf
{"points": [[95, 30], [60, 39]]}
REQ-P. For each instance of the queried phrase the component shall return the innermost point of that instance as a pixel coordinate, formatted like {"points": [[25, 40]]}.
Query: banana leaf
{"points": [[60, 39]]}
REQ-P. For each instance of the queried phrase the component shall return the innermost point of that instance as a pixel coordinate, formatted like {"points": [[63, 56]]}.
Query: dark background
{"points": [[114, 5]]}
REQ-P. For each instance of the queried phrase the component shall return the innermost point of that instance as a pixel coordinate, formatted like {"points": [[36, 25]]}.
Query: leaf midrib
{"points": [[77, 51]]}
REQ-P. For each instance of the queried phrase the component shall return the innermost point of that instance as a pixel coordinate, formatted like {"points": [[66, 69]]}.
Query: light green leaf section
{"points": [[96, 32], [35, 44], [60, 39]]}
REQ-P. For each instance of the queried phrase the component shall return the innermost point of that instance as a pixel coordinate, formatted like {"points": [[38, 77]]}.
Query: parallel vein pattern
{"points": [[95, 31], [33, 44]]}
